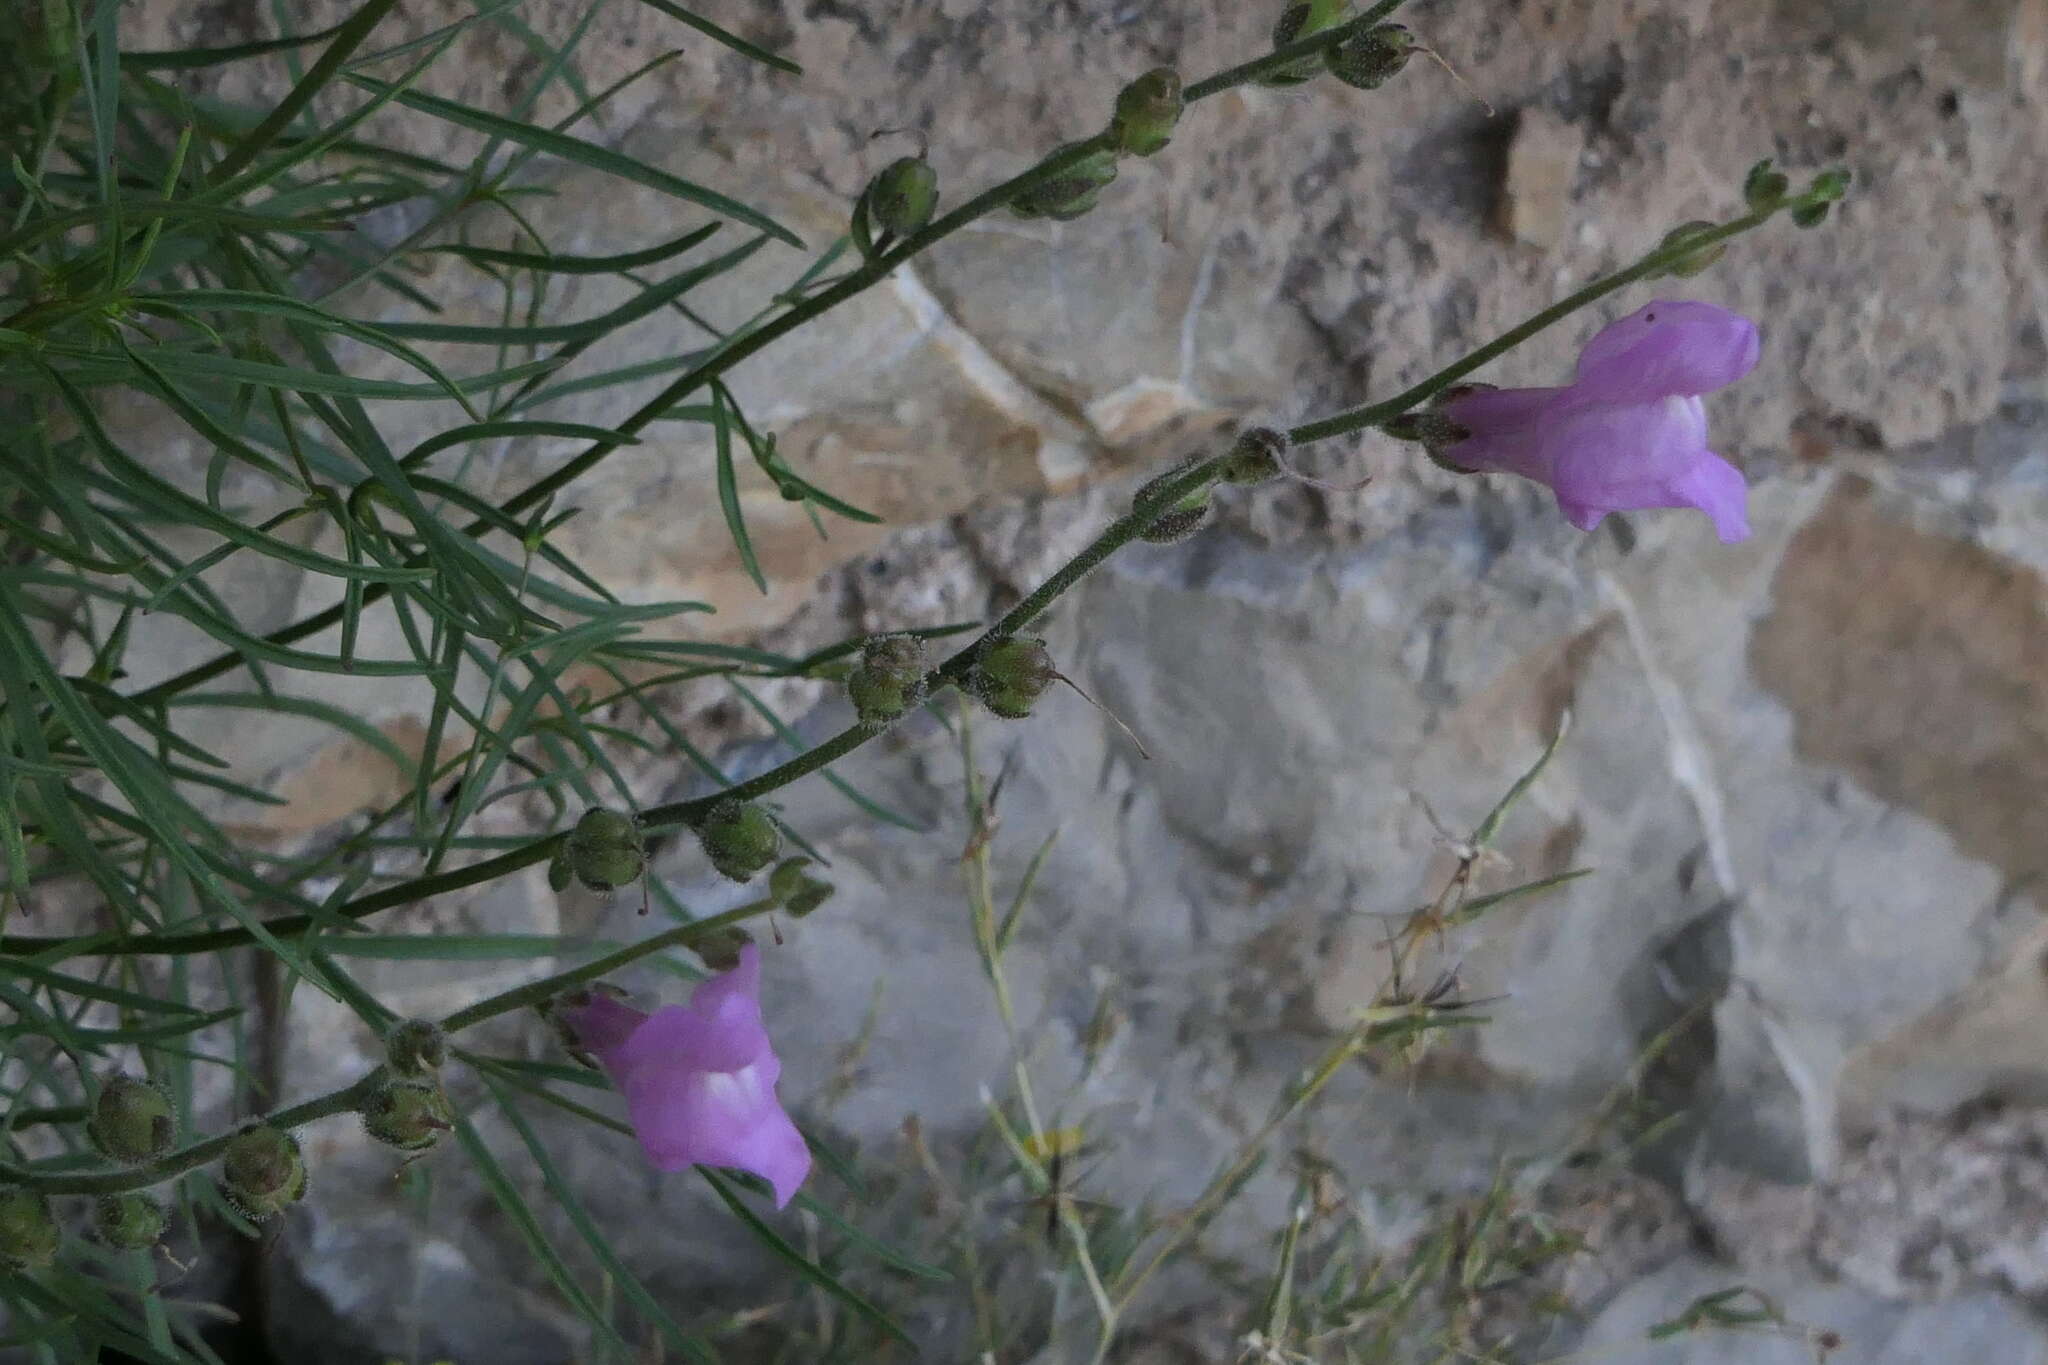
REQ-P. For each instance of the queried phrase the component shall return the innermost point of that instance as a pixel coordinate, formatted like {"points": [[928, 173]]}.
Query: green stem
{"points": [[351, 1096], [537, 992]]}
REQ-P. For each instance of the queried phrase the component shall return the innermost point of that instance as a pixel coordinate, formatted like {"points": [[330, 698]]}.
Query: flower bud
{"points": [[408, 1114], [1830, 184], [130, 1221], [604, 850], [1433, 431], [28, 1234], [131, 1121], [416, 1047], [1146, 111], [890, 681], [263, 1172], [740, 839], [1255, 456], [796, 890], [1368, 60], [1072, 192], [1178, 520], [1302, 19], [901, 199], [1763, 188], [1011, 675], [720, 949], [1810, 215], [1693, 262]]}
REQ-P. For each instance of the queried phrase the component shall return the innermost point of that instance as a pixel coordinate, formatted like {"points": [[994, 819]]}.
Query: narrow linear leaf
{"points": [[583, 153]]}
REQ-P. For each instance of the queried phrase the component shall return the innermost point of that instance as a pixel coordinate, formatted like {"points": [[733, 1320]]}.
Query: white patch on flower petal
{"points": [[736, 1091], [1689, 415]]}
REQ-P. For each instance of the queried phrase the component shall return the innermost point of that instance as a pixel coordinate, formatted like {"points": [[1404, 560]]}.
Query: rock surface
{"points": [[1807, 768]]}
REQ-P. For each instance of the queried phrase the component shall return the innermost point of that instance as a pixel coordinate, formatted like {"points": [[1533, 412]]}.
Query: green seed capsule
{"points": [[29, 1236], [1011, 675], [1255, 456], [1693, 262], [263, 1172], [1072, 192], [1179, 520], [1368, 60], [1302, 19], [903, 197], [416, 1047], [604, 850], [131, 1121], [740, 839], [890, 681], [1764, 188], [410, 1115], [130, 1221], [795, 889], [1146, 111]]}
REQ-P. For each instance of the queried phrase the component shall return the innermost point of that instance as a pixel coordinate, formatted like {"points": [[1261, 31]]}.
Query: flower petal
{"points": [[1667, 348], [603, 1025], [1717, 488], [1506, 427], [718, 1118], [1619, 457]]}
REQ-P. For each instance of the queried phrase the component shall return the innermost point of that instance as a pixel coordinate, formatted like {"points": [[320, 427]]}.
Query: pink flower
{"points": [[699, 1079], [1630, 431]]}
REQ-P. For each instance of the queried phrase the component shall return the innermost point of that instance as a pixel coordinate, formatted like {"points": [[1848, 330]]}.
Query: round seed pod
{"points": [[409, 1114], [131, 1120], [798, 891], [1146, 111], [1179, 520], [1693, 262], [1072, 192], [1302, 19], [416, 1047], [740, 839], [263, 1172], [1011, 674], [890, 681], [902, 198], [604, 850], [1255, 456], [131, 1220], [1368, 60], [29, 1235]]}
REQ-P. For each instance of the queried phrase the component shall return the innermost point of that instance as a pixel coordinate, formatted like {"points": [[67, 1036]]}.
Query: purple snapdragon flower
{"points": [[699, 1079], [1630, 430]]}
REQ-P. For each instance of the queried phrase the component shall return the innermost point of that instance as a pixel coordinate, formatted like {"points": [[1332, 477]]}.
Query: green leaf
{"points": [[454, 947], [250, 301], [1490, 826], [524, 334], [593, 1237], [522, 1218], [802, 1264], [552, 264], [587, 154], [191, 59], [717, 34], [729, 501]]}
